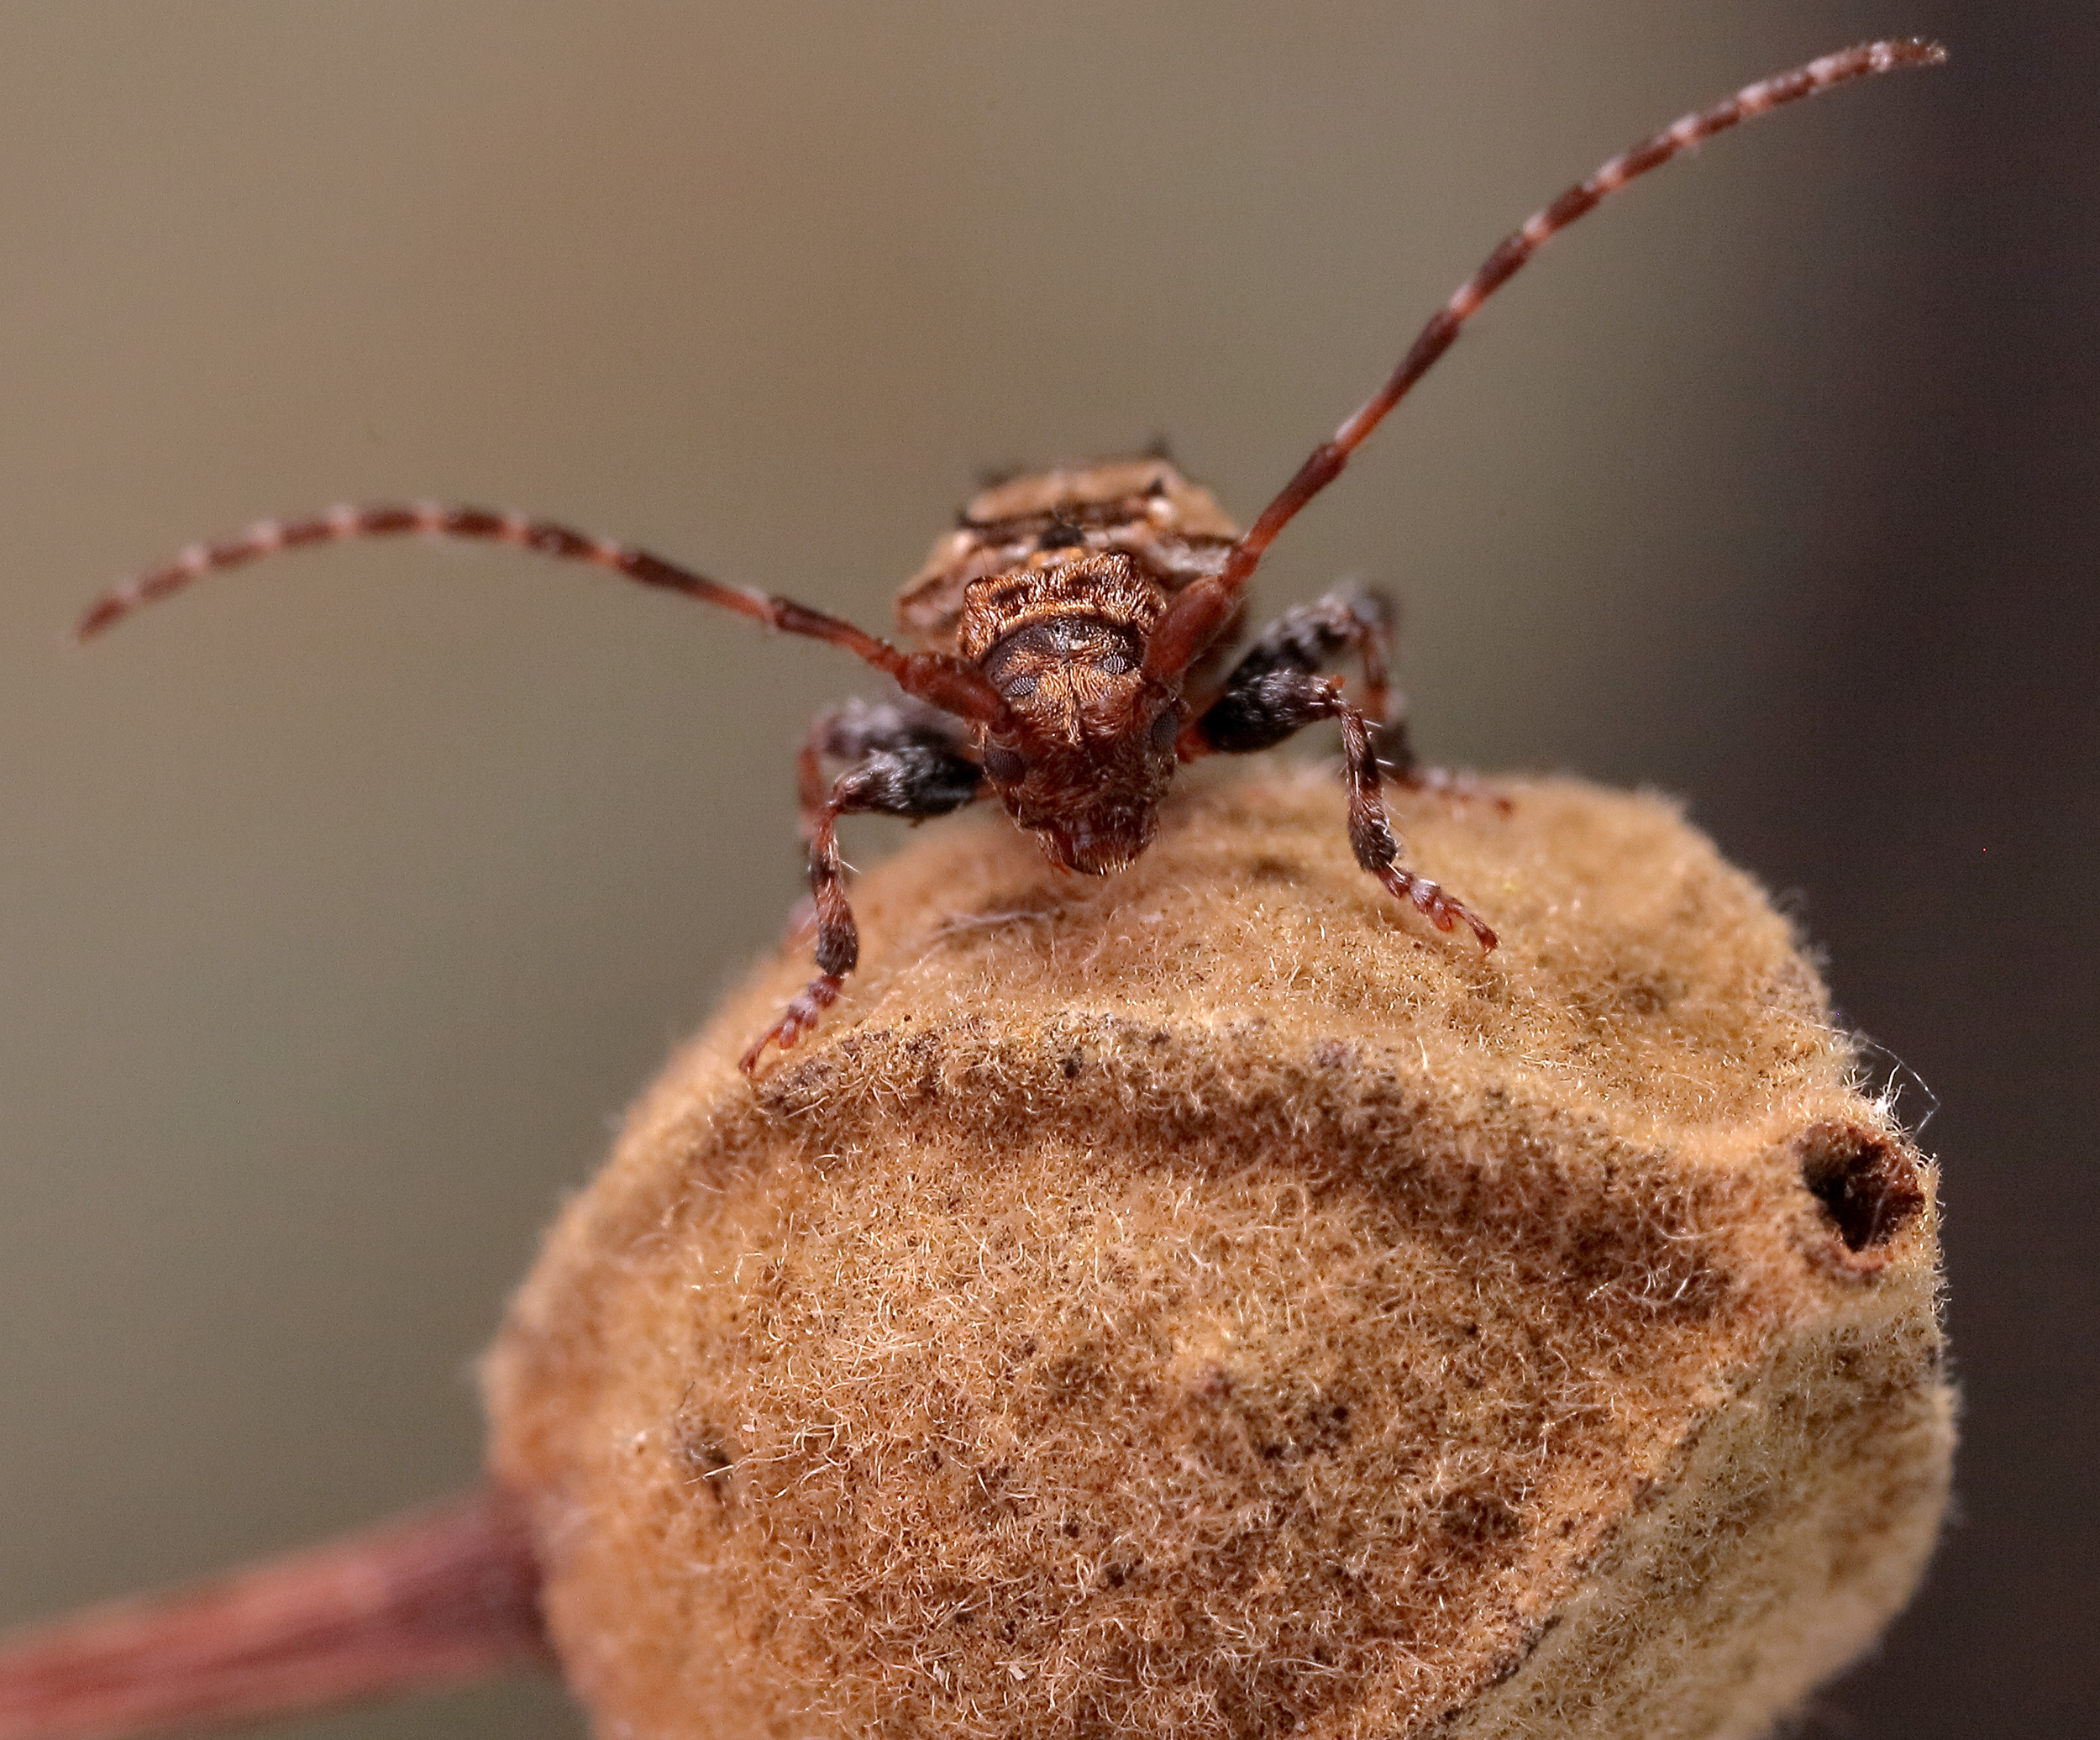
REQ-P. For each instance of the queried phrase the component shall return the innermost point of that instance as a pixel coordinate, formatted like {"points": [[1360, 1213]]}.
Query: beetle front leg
{"points": [[1371, 832], [1351, 618], [857, 729], [914, 779], [1271, 705]]}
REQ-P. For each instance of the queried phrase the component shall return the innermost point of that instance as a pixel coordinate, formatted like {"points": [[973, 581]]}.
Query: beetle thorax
{"points": [[1063, 643], [1171, 531]]}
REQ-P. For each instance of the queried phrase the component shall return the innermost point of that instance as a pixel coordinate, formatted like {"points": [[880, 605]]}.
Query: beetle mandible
{"points": [[1071, 631]]}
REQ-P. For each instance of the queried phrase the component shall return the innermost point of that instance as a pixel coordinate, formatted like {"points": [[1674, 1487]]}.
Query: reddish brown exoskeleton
{"points": [[1071, 631]]}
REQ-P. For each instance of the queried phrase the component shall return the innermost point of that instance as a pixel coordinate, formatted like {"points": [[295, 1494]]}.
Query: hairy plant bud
{"points": [[1207, 1302]]}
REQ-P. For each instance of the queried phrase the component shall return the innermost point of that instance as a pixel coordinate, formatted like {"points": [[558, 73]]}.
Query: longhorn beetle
{"points": [[1072, 629]]}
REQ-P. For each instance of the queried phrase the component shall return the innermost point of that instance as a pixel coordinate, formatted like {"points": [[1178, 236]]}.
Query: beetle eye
{"points": [[1165, 729], [1004, 766]]}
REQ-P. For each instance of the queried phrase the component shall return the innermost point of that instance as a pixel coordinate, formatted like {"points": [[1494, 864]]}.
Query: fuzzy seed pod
{"points": [[1205, 1302]]}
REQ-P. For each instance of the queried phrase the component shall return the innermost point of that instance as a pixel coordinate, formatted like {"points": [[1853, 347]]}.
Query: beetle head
{"points": [[1094, 803], [1090, 750]]}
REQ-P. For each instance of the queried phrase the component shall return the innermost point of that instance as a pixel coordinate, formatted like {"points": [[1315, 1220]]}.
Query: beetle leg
{"points": [[854, 732], [1274, 703], [1357, 619], [914, 779], [1351, 618]]}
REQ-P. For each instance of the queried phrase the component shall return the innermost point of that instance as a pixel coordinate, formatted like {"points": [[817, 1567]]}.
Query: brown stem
{"points": [[440, 1597]]}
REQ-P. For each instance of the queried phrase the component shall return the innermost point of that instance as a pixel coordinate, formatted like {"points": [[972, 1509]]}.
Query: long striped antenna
{"points": [[945, 682], [1202, 609]]}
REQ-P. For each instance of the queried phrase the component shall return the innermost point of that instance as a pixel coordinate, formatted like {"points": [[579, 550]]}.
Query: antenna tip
{"points": [[1913, 51]]}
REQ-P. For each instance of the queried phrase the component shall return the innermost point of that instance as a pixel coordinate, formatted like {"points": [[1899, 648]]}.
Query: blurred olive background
{"points": [[343, 904]]}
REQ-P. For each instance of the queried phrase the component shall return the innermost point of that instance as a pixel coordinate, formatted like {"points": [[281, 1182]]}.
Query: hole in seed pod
{"points": [[1866, 1183]]}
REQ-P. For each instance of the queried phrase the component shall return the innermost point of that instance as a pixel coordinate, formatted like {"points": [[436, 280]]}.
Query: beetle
{"points": [[1072, 630]]}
